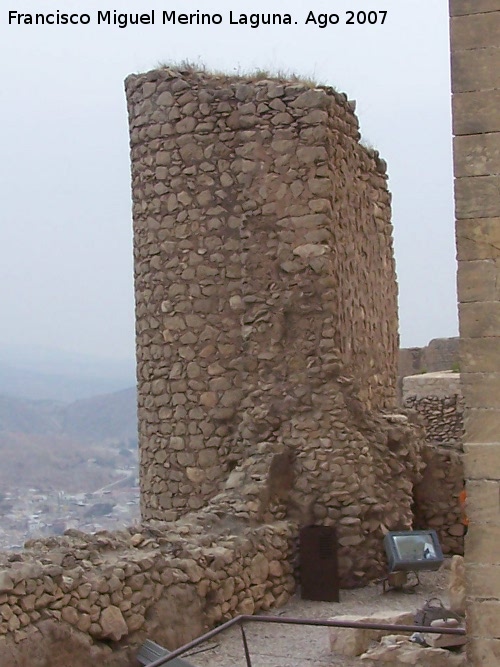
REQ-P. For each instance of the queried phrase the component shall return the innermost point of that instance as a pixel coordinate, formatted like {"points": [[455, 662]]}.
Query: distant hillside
{"points": [[76, 446], [100, 417], [65, 420], [20, 415], [52, 462], [106, 417], [33, 385], [42, 374]]}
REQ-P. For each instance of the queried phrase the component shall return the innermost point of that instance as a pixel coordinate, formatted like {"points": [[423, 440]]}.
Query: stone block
{"points": [[483, 501], [399, 652], [349, 641], [477, 154], [475, 31], [483, 581], [483, 651], [355, 641], [113, 624], [482, 544], [475, 69], [456, 587], [461, 7], [478, 238], [6, 583], [477, 281], [477, 196], [444, 641], [479, 355], [483, 618], [476, 112], [481, 319], [440, 384], [482, 425], [482, 390], [482, 461]]}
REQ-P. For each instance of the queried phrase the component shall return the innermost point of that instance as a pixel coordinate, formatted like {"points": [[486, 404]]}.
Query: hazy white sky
{"points": [[66, 271]]}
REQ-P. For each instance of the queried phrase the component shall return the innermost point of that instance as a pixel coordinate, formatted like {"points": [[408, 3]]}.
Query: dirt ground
{"points": [[273, 645]]}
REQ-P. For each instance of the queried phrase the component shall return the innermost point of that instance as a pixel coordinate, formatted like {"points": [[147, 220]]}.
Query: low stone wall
{"points": [[441, 354], [96, 598], [437, 399]]}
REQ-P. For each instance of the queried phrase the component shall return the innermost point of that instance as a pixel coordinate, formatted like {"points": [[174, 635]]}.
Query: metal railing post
{"points": [[245, 645]]}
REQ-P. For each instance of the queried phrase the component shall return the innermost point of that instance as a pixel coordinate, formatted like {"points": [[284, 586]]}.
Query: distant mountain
{"points": [[66, 421], [22, 383], [106, 417], [72, 446], [20, 415], [56, 362], [54, 375], [52, 462], [101, 417]]}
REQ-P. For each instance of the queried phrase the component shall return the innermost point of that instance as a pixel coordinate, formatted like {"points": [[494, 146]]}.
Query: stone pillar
{"points": [[475, 50]]}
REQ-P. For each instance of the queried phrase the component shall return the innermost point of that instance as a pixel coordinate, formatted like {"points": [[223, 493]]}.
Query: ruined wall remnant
{"points": [[82, 600], [441, 354], [437, 399], [475, 60], [264, 274]]}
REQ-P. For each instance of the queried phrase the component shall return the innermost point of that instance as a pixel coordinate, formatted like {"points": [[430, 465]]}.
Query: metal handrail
{"points": [[244, 618]]}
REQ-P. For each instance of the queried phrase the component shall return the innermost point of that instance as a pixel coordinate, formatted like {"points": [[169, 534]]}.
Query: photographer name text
{"points": [[174, 18]]}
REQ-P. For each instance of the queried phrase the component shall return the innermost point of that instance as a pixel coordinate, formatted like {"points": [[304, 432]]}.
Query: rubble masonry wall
{"points": [[264, 271], [437, 398], [84, 599]]}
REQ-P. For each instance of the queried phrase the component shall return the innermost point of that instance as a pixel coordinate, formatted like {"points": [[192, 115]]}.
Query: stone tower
{"points": [[264, 275]]}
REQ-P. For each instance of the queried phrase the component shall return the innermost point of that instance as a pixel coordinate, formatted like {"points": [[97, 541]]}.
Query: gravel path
{"points": [[301, 646]]}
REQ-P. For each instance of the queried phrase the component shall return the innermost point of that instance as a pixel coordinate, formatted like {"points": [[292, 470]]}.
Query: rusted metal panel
{"points": [[319, 578]]}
